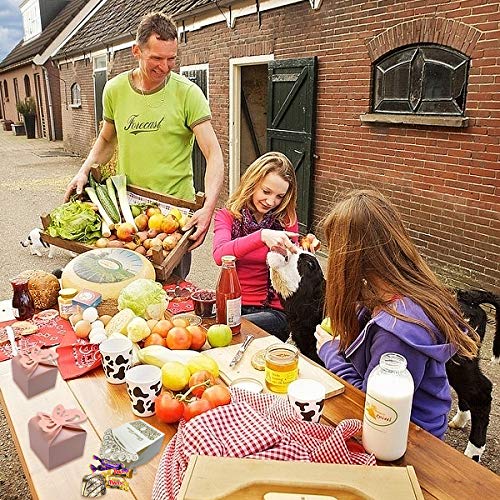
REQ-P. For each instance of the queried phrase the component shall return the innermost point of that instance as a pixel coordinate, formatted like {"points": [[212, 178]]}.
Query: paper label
{"points": [[233, 312], [281, 378], [378, 413]]}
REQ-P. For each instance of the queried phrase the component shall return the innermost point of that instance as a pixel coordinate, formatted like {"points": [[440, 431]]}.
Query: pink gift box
{"points": [[34, 370], [57, 438]]}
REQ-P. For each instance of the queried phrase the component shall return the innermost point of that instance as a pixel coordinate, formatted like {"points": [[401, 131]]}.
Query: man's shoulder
{"points": [[119, 80], [181, 80]]}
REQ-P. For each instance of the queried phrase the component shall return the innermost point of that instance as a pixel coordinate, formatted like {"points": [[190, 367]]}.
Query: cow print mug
{"points": [[307, 397], [143, 385], [116, 357]]}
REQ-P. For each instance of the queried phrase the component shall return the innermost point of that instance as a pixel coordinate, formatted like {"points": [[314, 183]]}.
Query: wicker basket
{"points": [[108, 306]]}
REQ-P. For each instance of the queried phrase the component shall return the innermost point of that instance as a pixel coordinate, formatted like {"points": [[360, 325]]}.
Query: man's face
{"points": [[156, 59]]}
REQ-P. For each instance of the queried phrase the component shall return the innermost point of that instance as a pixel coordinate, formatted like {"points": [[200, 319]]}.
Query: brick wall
{"points": [[445, 181]]}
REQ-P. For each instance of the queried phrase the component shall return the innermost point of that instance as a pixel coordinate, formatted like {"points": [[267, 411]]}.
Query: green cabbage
{"points": [[145, 297], [76, 221]]}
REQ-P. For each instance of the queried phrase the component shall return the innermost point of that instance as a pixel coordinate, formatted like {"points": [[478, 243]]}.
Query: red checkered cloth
{"points": [[258, 426]]}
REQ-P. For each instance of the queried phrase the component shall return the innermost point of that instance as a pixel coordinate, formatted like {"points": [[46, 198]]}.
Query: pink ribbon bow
{"points": [[31, 358], [53, 424]]}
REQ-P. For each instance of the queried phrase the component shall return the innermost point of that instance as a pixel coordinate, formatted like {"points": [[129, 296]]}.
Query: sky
{"points": [[11, 26]]}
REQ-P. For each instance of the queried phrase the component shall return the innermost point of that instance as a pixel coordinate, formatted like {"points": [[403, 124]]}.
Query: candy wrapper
{"points": [[34, 370], [57, 438]]}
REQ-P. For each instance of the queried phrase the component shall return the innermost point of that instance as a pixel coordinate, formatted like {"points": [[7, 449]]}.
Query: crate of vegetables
{"points": [[115, 215]]}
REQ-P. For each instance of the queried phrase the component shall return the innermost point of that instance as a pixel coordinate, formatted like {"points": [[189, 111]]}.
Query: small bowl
{"points": [[193, 319], [248, 384], [204, 303]]}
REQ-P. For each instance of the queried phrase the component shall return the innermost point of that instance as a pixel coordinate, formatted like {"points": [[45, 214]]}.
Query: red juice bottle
{"points": [[228, 295], [22, 302]]}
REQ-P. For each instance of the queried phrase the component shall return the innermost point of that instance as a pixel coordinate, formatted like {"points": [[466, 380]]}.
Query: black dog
{"points": [[299, 281]]}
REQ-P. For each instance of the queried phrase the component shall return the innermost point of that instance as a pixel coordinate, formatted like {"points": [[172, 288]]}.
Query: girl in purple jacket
{"points": [[382, 297]]}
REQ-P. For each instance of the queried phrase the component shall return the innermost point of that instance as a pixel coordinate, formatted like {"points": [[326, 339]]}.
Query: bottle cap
{"points": [[228, 258], [68, 293]]}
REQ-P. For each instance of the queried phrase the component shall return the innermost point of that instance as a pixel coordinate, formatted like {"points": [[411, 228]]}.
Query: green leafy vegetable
{"points": [[76, 221], [145, 297]]}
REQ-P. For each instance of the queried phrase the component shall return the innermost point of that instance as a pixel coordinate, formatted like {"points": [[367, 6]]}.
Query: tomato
{"points": [[168, 409], [217, 395], [154, 339], [198, 378], [198, 336], [196, 408], [178, 337]]}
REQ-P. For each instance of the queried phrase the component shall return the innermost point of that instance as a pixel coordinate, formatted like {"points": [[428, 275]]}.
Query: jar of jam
{"points": [[65, 300], [23, 306], [282, 366]]}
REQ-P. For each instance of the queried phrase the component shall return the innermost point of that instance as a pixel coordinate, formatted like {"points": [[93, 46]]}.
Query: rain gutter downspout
{"points": [[51, 110]]}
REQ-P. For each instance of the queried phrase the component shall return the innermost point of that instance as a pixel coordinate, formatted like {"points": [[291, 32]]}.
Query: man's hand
{"points": [[76, 185], [201, 219]]}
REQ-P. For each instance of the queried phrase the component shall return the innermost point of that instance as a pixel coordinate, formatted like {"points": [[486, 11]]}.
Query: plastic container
{"points": [[228, 295], [204, 303], [389, 396]]}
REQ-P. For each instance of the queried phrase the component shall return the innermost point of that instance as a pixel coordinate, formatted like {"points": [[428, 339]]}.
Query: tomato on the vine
{"points": [[196, 407], [217, 395], [169, 409], [201, 377]]}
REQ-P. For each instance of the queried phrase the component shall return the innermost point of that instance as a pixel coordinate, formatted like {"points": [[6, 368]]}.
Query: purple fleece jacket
{"points": [[426, 360]]}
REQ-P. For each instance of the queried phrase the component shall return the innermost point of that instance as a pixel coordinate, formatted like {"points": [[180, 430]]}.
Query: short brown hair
{"points": [[158, 23]]}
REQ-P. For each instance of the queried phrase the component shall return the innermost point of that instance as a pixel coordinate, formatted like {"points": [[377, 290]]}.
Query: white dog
{"points": [[36, 244]]}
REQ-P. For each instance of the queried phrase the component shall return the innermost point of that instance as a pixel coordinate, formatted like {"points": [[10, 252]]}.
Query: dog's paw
{"points": [[460, 420], [474, 452]]}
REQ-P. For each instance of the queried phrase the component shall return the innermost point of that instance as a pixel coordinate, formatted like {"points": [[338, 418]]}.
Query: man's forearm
{"points": [[214, 177], [101, 153]]}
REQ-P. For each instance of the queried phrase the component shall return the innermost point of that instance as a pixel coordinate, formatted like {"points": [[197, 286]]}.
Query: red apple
{"points": [[125, 231]]}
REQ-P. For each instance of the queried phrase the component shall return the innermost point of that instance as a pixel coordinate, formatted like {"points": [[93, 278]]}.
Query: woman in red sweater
{"points": [[258, 216]]}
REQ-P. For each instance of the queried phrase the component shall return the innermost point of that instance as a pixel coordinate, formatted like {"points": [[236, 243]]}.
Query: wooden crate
{"points": [[163, 266]]}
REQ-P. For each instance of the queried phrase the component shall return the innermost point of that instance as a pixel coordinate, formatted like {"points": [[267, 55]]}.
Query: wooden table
{"points": [[442, 471]]}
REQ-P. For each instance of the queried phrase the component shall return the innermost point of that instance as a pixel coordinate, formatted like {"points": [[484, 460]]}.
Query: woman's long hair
{"points": [[268, 163], [370, 252]]}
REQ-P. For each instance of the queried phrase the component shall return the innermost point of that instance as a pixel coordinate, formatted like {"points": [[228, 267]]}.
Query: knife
{"points": [[12, 340], [241, 350]]}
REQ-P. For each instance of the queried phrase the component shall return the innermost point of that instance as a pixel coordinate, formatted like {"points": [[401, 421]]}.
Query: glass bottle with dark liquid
{"points": [[23, 306], [228, 295]]}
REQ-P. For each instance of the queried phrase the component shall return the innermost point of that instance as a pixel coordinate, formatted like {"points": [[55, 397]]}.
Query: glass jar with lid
{"points": [[65, 300], [282, 366]]}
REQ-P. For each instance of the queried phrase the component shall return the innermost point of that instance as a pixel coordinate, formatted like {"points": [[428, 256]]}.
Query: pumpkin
{"points": [[43, 287]]}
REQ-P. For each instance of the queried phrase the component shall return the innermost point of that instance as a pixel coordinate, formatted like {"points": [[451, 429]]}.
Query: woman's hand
{"points": [[322, 337], [272, 238]]}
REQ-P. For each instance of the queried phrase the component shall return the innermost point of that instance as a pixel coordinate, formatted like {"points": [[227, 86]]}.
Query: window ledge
{"points": [[75, 106], [435, 121]]}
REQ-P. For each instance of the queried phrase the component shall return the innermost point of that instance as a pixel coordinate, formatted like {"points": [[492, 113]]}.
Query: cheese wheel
{"points": [[106, 271]]}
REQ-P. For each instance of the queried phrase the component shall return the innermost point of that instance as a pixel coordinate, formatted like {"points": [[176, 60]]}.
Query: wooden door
{"points": [[198, 76], [291, 118]]}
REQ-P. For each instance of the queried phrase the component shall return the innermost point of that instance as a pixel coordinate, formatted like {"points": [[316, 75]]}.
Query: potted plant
{"points": [[27, 108]]}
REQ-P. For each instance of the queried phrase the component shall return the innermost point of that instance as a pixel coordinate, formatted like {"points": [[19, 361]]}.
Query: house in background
{"points": [[28, 71], [401, 96]]}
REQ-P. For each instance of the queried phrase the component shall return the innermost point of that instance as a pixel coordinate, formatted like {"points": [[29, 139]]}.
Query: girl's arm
{"points": [[224, 245]]}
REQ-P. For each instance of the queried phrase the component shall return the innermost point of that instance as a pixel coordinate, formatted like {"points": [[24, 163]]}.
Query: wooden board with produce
{"points": [[115, 215]]}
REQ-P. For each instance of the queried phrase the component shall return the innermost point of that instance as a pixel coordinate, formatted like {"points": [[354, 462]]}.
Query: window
{"points": [[27, 86], [75, 96], [5, 90], [421, 80], [32, 22]]}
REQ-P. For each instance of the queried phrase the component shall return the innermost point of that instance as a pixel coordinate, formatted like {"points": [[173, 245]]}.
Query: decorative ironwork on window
{"points": [[75, 95], [422, 79]]}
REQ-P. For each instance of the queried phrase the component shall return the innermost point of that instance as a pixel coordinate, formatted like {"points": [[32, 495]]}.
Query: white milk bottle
{"points": [[389, 395]]}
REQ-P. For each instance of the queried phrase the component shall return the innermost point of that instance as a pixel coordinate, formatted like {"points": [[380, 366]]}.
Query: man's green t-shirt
{"points": [[154, 131]]}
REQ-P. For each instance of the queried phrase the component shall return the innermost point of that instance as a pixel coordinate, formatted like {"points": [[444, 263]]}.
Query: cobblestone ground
{"points": [[33, 176]]}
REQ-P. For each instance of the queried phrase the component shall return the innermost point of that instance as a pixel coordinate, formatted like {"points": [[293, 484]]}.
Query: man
{"points": [[154, 115]]}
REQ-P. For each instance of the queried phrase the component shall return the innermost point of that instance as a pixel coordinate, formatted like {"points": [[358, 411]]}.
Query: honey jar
{"points": [[65, 300], [282, 366]]}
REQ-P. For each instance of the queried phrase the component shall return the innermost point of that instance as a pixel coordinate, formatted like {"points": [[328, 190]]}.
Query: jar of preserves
{"points": [[386, 419], [65, 300], [228, 295], [282, 366], [23, 306]]}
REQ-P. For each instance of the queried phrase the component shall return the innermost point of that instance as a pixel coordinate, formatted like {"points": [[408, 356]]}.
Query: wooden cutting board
{"points": [[307, 368]]}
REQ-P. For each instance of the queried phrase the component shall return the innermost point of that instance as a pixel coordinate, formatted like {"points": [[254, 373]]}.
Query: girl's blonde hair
{"points": [[369, 248], [268, 163]]}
